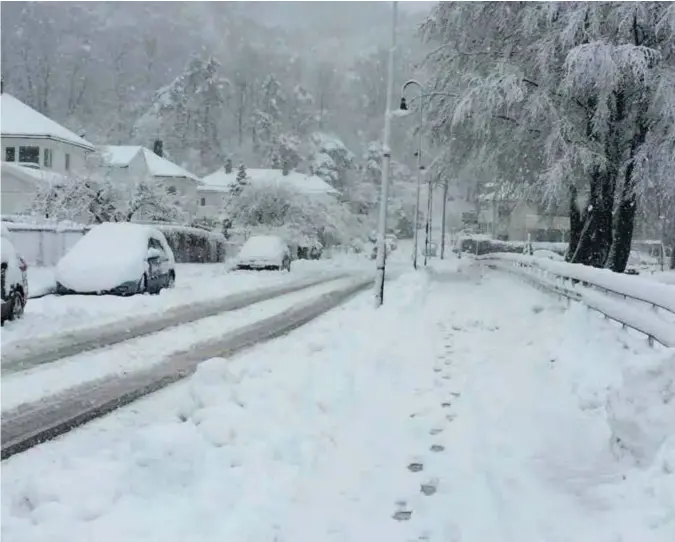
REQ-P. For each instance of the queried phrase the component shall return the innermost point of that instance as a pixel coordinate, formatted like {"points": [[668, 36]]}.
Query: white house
{"points": [[214, 189], [35, 150], [20, 185], [30, 137], [128, 162]]}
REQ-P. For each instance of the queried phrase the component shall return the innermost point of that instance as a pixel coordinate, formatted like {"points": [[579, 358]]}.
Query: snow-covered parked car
{"points": [[117, 258], [13, 278], [264, 252]]}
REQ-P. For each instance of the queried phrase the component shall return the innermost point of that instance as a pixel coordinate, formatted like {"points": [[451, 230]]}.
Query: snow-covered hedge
{"points": [[194, 245]]}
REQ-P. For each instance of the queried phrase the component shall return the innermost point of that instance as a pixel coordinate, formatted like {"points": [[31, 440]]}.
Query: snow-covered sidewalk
{"points": [[469, 408]]}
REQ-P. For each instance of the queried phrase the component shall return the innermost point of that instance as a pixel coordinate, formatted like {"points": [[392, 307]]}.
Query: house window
{"points": [[29, 155], [171, 190], [203, 202], [67, 165], [48, 158], [10, 154]]}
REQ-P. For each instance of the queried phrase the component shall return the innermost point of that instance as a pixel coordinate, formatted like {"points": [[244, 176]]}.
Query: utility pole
{"points": [[386, 162]]}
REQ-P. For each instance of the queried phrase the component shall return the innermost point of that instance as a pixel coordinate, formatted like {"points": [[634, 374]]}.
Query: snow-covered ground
{"points": [[469, 408], [54, 314], [147, 351]]}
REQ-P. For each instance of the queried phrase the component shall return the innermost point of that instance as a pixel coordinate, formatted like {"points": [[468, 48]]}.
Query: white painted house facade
{"points": [[215, 188], [35, 149], [28, 137], [133, 162]]}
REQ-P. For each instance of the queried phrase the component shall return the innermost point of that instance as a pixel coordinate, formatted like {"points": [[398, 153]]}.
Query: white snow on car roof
{"points": [[21, 120]]}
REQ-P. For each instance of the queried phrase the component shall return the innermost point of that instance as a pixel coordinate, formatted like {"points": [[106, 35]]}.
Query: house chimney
{"points": [[158, 147], [228, 166]]}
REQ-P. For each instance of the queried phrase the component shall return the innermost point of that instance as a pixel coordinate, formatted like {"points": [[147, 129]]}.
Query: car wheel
{"points": [[16, 307]]}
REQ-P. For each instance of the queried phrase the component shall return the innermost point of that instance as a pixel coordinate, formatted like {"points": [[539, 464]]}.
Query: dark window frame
{"points": [[34, 152], [7, 154]]}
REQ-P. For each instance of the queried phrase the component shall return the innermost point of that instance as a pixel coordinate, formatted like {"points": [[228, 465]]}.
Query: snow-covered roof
{"points": [[42, 176], [308, 184], [19, 120], [122, 155]]}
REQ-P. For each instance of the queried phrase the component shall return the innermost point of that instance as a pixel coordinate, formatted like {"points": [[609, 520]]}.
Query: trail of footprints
{"points": [[429, 485]]}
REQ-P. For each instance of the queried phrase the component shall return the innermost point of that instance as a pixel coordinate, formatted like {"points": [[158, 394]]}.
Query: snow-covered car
{"points": [[117, 258], [264, 252], [13, 279]]}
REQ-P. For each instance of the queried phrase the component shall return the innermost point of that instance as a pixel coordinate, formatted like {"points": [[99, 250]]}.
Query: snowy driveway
{"points": [[470, 408]]}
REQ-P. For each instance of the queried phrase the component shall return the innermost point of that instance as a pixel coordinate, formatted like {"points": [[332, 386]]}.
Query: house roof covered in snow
{"points": [[122, 155], [19, 120], [32, 175], [308, 184]]}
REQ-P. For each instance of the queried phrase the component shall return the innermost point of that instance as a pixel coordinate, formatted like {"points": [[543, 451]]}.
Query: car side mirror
{"points": [[153, 254]]}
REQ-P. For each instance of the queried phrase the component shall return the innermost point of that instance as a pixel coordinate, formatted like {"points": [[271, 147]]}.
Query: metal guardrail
{"points": [[593, 295]]}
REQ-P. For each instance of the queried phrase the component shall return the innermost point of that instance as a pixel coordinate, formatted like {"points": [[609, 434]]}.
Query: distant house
{"points": [[30, 137], [35, 150], [129, 162], [214, 189], [511, 218]]}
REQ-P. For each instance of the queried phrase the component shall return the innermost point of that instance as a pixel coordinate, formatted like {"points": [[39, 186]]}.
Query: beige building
{"points": [[517, 220]]}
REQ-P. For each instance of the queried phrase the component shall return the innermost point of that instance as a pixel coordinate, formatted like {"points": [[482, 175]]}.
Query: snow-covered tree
{"points": [[92, 197], [574, 100], [331, 160], [298, 217], [189, 114]]}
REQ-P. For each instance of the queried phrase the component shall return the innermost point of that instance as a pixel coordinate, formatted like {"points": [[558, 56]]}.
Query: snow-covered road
{"points": [[52, 315], [471, 407]]}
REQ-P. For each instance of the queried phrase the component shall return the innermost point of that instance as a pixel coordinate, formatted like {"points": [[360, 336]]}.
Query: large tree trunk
{"points": [[625, 216]]}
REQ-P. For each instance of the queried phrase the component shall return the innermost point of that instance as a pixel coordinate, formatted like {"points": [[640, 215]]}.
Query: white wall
{"points": [[58, 148], [136, 169], [16, 194], [214, 203], [43, 246], [186, 190]]}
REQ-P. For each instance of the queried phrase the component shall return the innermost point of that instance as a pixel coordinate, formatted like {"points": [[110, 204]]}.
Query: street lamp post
{"points": [[386, 162], [404, 107], [402, 111]]}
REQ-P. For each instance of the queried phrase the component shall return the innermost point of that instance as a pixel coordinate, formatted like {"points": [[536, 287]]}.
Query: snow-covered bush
{"points": [[93, 197], [194, 245], [300, 218]]}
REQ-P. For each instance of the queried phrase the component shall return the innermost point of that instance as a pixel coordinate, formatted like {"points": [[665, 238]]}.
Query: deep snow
{"points": [[531, 423]]}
